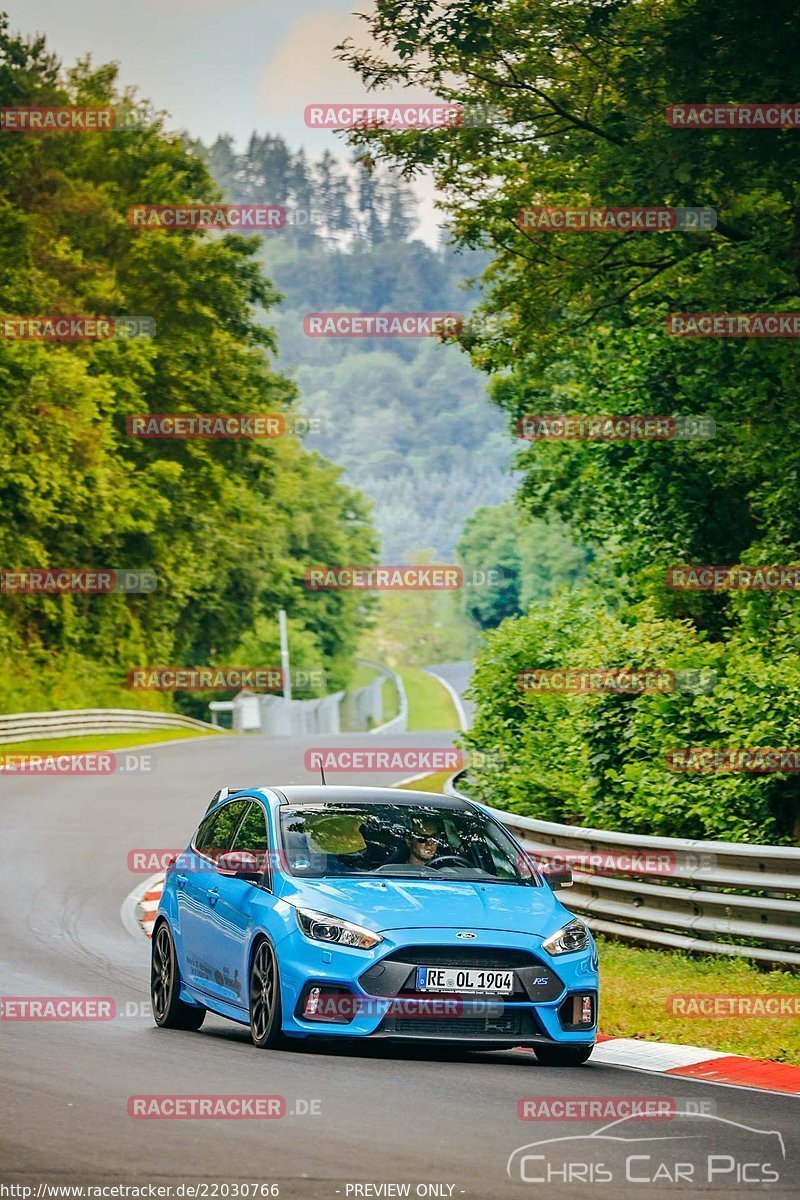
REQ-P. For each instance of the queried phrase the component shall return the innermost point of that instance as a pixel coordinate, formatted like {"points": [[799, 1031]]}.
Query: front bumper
{"points": [[379, 997]]}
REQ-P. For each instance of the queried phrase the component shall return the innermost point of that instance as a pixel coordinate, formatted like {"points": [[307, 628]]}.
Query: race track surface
{"points": [[384, 1117]]}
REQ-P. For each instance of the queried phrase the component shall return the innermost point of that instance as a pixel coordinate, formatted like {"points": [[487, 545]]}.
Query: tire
{"points": [[169, 1011], [265, 998], [562, 1056]]}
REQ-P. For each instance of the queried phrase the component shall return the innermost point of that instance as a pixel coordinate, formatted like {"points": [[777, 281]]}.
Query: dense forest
{"points": [[407, 418], [581, 92], [228, 526]]}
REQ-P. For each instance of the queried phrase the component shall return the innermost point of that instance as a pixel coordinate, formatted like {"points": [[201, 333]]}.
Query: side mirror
{"points": [[239, 864], [559, 877]]}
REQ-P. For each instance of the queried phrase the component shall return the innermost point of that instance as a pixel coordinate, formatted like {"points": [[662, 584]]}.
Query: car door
{"points": [[196, 872], [234, 904]]}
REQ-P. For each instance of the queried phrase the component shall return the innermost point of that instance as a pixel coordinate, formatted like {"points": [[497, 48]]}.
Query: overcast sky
{"points": [[217, 66]]}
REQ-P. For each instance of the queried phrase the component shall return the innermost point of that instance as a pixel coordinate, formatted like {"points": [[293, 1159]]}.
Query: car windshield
{"points": [[403, 840]]}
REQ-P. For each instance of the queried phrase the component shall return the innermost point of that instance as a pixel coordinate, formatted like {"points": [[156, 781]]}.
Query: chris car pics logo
{"points": [[697, 1150]]}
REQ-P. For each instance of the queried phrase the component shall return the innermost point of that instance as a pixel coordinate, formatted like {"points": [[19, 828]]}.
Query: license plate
{"points": [[458, 979]]}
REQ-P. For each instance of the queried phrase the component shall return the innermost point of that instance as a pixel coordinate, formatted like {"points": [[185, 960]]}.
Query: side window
{"points": [[252, 835], [203, 836], [216, 833]]}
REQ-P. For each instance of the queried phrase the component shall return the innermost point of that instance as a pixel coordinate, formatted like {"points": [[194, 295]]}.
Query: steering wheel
{"points": [[454, 859]]}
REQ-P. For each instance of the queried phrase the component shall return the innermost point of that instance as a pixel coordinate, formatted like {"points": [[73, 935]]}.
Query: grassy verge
{"points": [[390, 700], [431, 783], [106, 741], [429, 704], [636, 984], [363, 675]]}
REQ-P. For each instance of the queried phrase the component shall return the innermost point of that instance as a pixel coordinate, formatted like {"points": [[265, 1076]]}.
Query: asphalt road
{"points": [[382, 1117], [457, 675]]}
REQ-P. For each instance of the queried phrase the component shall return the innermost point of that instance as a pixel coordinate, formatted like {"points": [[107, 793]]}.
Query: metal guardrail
{"points": [[671, 892], [398, 724], [23, 727]]}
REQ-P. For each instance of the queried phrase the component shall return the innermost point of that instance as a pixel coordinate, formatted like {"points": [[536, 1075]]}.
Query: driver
{"points": [[423, 841]]}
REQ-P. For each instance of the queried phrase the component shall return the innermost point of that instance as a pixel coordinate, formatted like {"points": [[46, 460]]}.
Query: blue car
{"points": [[360, 912]]}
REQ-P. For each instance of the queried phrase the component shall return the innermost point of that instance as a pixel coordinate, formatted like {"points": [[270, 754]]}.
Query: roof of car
{"points": [[341, 794]]}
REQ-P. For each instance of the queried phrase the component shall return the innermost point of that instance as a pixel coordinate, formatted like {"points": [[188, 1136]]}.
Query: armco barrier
{"points": [[352, 712], [398, 724], [713, 891], [23, 727]]}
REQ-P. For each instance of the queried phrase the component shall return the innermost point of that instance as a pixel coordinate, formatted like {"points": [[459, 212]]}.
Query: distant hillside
{"points": [[408, 418]]}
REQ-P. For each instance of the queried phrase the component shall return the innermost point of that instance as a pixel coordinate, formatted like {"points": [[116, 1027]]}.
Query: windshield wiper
{"points": [[406, 870]]}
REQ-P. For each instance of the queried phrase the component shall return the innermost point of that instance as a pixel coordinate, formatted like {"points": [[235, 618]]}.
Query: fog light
{"points": [[333, 1005], [312, 1002], [583, 1010]]}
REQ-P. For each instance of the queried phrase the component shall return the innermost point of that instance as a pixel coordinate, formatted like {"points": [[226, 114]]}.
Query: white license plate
{"points": [[458, 979]]}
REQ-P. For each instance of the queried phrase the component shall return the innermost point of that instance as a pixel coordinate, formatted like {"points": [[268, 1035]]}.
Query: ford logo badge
{"points": [[468, 937]]}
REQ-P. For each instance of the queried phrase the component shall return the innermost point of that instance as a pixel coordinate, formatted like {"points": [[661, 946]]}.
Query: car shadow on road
{"points": [[406, 1051]]}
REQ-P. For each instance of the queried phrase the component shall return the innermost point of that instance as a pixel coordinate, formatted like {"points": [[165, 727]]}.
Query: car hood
{"points": [[384, 904]]}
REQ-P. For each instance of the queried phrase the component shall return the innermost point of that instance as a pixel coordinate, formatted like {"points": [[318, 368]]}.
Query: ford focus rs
{"points": [[371, 913]]}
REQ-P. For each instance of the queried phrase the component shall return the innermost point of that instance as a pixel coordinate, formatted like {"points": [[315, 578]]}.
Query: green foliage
{"points": [[530, 558], [419, 628], [577, 95], [407, 418], [228, 526], [600, 759]]}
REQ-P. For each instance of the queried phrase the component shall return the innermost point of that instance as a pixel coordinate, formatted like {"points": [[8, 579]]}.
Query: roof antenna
{"points": [[321, 770]]}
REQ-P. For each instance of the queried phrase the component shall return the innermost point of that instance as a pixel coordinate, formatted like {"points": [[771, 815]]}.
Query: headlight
{"points": [[322, 928], [568, 939]]}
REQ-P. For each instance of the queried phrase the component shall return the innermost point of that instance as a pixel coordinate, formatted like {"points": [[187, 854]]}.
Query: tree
{"points": [[530, 558], [227, 525]]}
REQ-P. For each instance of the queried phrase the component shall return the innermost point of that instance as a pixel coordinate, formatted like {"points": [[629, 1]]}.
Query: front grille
{"points": [[456, 956], [396, 974], [502, 1027], [459, 1027]]}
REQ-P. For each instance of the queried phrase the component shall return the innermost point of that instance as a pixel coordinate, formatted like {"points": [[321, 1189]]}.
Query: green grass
{"points": [[106, 741], [431, 783], [362, 675], [429, 704], [390, 700], [636, 983]]}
